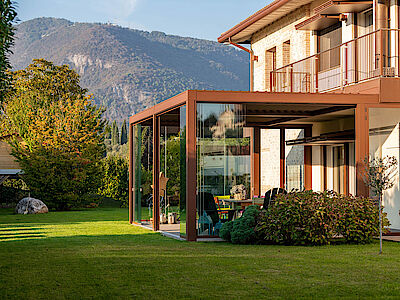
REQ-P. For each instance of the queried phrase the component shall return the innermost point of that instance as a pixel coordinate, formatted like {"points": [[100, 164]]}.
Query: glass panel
{"points": [[338, 169], [270, 159], [143, 173], [223, 164], [182, 157], [329, 38], [384, 140], [294, 162], [172, 185]]}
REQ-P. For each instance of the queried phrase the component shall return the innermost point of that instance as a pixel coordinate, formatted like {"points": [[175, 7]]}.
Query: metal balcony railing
{"points": [[373, 55]]}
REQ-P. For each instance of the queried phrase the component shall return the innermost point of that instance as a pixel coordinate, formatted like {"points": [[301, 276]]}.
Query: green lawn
{"points": [[97, 254]]}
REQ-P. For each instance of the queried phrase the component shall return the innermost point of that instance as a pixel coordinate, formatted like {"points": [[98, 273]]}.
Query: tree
{"points": [[7, 18], [107, 132], [114, 181], [62, 134], [124, 133], [379, 175], [114, 134]]}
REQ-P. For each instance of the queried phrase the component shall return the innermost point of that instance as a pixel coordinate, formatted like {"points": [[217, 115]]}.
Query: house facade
{"points": [[8, 166], [325, 95]]}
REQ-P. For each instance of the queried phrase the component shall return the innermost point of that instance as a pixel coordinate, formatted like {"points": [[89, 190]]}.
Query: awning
{"points": [[331, 138], [10, 171], [340, 7], [330, 12], [318, 22]]}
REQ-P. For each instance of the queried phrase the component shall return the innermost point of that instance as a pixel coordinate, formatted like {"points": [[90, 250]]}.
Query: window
{"points": [[286, 53], [270, 65], [328, 39]]}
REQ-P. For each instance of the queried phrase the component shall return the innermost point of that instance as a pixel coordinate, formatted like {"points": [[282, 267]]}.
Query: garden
{"points": [[95, 253], [307, 218]]}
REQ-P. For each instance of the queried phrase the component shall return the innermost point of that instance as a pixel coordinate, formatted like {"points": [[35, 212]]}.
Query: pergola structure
{"points": [[237, 119]]}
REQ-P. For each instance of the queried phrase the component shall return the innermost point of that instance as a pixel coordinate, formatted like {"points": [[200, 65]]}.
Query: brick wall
{"points": [[276, 35]]}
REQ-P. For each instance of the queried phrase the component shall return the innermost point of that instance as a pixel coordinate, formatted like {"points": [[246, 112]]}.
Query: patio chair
{"points": [[206, 207], [270, 196], [205, 222]]}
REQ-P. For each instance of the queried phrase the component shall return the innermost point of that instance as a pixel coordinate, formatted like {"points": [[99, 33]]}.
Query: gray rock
{"points": [[31, 206]]}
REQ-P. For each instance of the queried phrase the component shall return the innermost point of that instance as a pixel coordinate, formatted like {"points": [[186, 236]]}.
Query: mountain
{"points": [[129, 70]]}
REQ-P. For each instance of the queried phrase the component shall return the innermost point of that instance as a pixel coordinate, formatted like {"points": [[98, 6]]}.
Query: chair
{"points": [[207, 208], [222, 208], [270, 196], [205, 222]]}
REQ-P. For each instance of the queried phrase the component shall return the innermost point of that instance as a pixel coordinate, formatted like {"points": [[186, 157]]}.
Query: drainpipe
{"points": [[253, 58]]}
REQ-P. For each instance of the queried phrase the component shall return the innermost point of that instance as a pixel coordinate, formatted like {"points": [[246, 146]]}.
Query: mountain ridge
{"points": [[129, 70]]}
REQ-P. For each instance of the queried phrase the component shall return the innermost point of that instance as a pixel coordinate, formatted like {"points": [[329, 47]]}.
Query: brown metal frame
{"points": [[282, 157], [255, 152], [156, 173], [130, 191], [192, 97]]}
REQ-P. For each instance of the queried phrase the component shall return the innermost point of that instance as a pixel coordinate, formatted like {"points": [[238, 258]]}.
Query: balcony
{"points": [[370, 56]]}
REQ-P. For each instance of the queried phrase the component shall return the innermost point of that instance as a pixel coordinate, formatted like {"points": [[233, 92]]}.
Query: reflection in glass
{"points": [[143, 173], [223, 160], [172, 185], [294, 161]]}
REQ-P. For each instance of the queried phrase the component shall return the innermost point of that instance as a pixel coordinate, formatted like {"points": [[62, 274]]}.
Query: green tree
{"points": [[60, 134], [8, 16], [114, 134], [107, 132], [380, 175], [124, 133], [114, 182]]}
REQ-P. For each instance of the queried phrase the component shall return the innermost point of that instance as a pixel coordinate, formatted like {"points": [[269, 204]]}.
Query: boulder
{"points": [[31, 206]]}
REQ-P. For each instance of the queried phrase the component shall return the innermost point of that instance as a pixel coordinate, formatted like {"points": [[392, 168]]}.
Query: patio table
{"points": [[243, 203]]}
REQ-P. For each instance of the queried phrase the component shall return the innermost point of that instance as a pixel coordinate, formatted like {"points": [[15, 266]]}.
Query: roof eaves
{"points": [[251, 20]]}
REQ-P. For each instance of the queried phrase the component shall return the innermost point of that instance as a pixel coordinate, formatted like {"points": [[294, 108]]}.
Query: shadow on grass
{"points": [[144, 238], [19, 228], [66, 217]]}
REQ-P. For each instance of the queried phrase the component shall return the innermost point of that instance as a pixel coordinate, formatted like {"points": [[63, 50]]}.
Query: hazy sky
{"points": [[201, 18]]}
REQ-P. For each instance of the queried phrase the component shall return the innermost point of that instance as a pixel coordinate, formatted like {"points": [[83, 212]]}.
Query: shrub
{"points": [[115, 180], [314, 218], [225, 231], [298, 218], [12, 190], [242, 230], [358, 220]]}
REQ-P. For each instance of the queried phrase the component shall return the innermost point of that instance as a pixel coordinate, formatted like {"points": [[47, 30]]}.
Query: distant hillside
{"points": [[128, 70]]}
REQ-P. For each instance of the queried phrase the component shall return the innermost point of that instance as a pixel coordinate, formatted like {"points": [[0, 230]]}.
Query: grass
{"points": [[97, 254]]}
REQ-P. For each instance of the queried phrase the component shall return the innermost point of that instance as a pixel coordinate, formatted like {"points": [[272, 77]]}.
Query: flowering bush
{"points": [[314, 218]]}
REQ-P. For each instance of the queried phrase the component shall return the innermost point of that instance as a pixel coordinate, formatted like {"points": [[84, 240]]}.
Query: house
{"points": [[325, 95], [8, 166]]}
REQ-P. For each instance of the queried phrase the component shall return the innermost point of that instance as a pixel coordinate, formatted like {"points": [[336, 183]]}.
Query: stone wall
{"points": [[276, 35]]}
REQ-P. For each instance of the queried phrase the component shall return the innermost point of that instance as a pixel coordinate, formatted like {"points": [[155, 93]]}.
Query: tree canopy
{"points": [[8, 16], [62, 133]]}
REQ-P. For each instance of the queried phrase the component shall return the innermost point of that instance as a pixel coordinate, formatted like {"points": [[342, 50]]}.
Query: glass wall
{"points": [[384, 140], [270, 159], [223, 164], [172, 187], [143, 173], [294, 161], [182, 158]]}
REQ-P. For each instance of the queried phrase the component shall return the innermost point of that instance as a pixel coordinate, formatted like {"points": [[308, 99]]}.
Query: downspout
{"points": [[253, 58]]}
